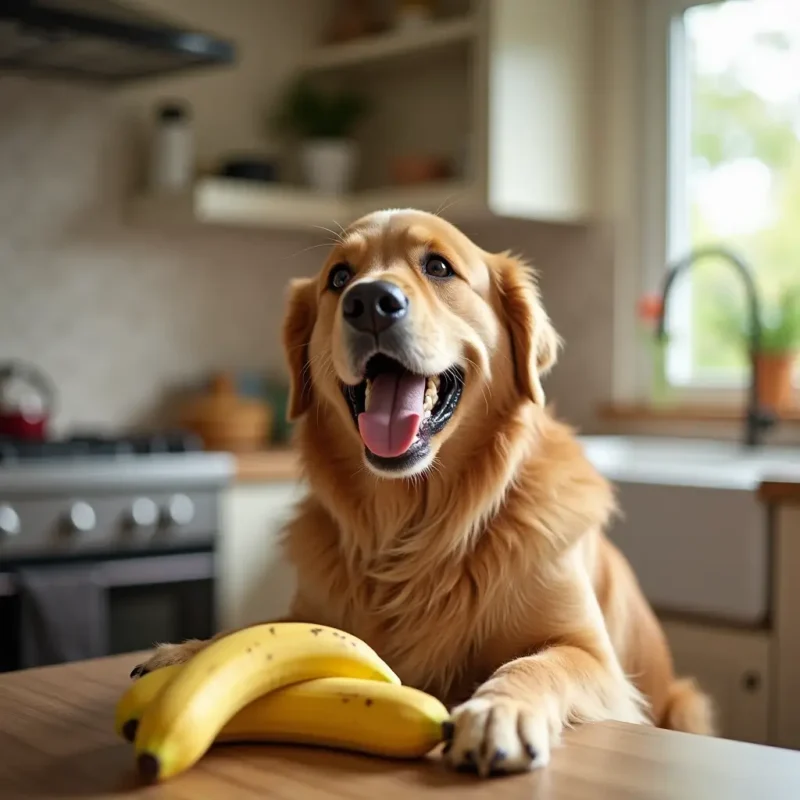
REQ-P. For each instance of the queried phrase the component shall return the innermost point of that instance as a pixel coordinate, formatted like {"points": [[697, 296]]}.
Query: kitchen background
{"points": [[136, 274], [120, 315]]}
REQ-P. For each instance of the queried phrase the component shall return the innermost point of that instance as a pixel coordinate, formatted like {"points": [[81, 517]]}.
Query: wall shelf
{"points": [[227, 202], [514, 111], [391, 46]]}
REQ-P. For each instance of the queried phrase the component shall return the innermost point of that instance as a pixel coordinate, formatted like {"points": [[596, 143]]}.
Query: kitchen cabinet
{"points": [[255, 581], [786, 525], [732, 666], [502, 88]]}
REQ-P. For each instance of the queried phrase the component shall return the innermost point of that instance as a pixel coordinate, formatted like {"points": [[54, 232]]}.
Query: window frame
{"points": [[665, 141]]}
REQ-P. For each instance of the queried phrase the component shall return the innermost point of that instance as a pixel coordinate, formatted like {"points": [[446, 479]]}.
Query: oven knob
{"points": [[143, 513], [179, 510], [9, 521], [81, 517]]}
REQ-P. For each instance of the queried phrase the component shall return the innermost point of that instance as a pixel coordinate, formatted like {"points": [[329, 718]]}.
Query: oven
{"points": [[107, 556], [145, 599]]}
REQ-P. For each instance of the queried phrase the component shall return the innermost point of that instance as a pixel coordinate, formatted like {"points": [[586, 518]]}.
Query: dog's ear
{"points": [[534, 341], [297, 328]]}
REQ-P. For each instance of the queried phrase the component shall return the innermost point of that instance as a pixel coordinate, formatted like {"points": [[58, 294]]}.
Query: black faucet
{"points": [[757, 419]]}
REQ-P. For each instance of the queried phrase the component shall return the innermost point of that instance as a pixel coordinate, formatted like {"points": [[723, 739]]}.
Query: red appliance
{"points": [[27, 398]]}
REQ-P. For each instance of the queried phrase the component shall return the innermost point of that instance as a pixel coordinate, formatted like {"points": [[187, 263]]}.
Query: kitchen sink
{"points": [[691, 522], [689, 462]]}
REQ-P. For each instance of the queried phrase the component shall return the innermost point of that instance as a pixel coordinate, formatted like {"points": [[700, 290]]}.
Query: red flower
{"points": [[649, 308]]}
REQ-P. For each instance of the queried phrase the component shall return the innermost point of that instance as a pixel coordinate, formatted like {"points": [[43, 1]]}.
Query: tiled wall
{"points": [[576, 272], [119, 316]]}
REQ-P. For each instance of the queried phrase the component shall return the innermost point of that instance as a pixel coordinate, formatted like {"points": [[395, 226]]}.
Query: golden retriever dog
{"points": [[451, 522]]}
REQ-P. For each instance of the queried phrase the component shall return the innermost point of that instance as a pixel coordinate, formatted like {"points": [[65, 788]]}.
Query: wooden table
{"points": [[56, 741]]}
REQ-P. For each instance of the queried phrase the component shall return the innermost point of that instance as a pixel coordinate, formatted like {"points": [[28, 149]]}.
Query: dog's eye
{"points": [[437, 267], [339, 277]]}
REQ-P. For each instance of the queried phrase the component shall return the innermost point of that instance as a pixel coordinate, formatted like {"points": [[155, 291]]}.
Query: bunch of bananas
{"points": [[285, 682]]}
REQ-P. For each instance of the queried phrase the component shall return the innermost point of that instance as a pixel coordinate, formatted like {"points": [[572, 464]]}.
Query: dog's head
{"points": [[413, 335]]}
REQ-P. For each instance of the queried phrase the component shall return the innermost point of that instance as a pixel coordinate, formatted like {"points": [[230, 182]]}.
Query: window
{"points": [[731, 109]]}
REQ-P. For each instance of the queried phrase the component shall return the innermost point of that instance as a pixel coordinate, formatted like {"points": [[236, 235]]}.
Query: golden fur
{"points": [[485, 578]]}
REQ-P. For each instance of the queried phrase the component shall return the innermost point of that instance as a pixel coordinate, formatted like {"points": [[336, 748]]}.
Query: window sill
{"points": [[683, 412]]}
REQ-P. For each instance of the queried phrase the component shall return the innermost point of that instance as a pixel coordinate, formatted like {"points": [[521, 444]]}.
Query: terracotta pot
{"points": [[411, 169], [774, 379], [351, 19], [226, 421]]}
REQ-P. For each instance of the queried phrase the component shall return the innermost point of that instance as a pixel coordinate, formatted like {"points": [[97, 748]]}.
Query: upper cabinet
{"points": [[483, 109], [532, 94]]}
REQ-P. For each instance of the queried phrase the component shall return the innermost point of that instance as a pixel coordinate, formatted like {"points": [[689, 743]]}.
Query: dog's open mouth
{"points": [[397, 411]]}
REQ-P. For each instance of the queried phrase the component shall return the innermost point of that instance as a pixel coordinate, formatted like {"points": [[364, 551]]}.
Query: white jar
{"points": [[329, 165], [172, 155]]}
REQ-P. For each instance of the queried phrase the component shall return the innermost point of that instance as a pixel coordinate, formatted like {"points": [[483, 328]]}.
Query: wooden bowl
{"points": [[226, 421]]}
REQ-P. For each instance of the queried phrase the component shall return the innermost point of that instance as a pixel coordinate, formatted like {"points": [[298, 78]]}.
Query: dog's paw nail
{"points": [[499, 755], [531, 751], [469, 757], [495, 765], [137, 671], [448, 729], [448, 746]]}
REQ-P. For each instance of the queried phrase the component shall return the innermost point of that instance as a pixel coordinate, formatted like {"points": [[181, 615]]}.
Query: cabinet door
{"points": [[255, 581], [733, 667], [537, 121]]}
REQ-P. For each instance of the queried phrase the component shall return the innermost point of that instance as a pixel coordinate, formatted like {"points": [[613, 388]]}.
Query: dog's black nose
{"points": [[373, 306]]}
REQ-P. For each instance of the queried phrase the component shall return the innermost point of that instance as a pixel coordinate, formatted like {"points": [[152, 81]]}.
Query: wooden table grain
{"points": [[57, 741]]}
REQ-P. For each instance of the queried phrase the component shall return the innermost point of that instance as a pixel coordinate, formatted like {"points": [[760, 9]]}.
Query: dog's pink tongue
{"points": [[395, 411]]}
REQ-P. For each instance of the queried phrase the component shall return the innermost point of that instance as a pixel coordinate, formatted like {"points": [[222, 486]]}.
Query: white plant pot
{"points": [[329, 165]]}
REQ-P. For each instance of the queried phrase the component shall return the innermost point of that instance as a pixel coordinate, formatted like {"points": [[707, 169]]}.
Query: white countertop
{"points": [[691, 462]]}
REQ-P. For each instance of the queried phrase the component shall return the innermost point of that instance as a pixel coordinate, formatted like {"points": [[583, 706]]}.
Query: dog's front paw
{"points": [[498, 735], [166, 655]]}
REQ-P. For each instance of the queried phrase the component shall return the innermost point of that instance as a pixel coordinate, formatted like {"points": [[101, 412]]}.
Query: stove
{"points": [[139, 514], [70, 496], [80, 446]]}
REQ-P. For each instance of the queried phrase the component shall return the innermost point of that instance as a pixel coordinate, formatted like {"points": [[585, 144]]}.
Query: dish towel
{"points": [[64, 614]]}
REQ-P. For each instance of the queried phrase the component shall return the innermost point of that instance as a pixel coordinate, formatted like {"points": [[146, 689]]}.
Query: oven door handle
{"points": [[145, 571]]}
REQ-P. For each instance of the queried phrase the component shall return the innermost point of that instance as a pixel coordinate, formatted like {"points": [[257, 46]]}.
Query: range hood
{"points": [[99, 41]]}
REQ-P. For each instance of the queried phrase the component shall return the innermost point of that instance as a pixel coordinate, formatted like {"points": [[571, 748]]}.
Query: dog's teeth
{"points": [[431, 394], [436, 380], [367, 394], [426, 413]]}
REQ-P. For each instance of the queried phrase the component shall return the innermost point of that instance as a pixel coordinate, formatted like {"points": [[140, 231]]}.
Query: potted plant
{"points": [[779, 346], [323, 122]]}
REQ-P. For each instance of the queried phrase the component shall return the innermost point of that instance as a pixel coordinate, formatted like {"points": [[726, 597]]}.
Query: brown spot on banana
{"points": [[129, 729], [149, 767]]}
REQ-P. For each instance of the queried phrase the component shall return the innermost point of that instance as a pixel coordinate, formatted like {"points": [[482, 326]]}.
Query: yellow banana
{"points": [[138, 696], [183, 719], [349, 713], [345, 713]]}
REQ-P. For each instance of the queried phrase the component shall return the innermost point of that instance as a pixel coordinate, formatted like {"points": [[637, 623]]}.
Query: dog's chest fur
{"points": [[452, 577], [443, 625]]}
